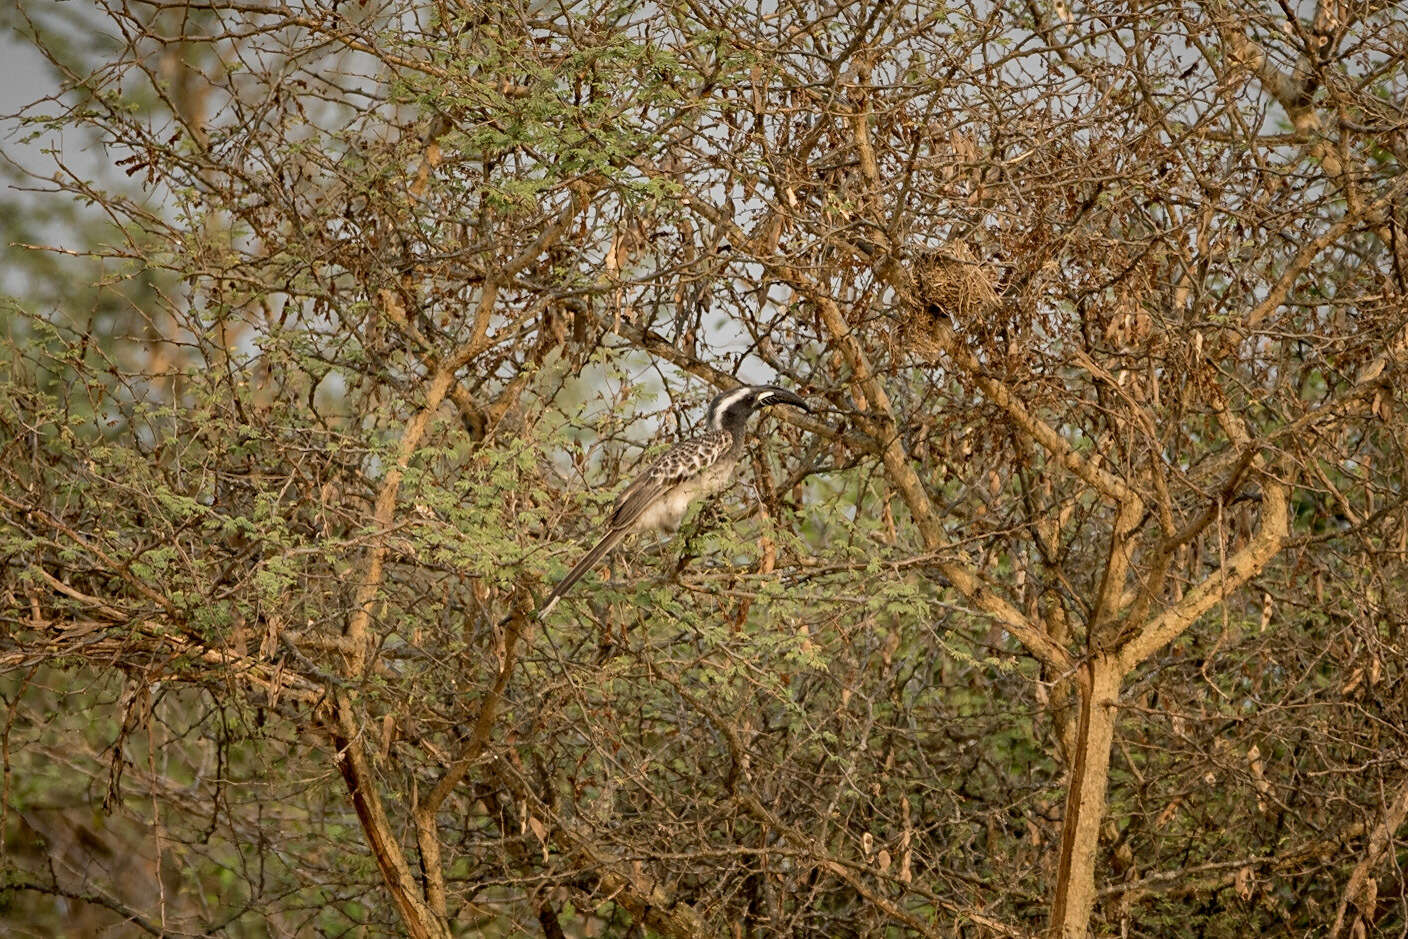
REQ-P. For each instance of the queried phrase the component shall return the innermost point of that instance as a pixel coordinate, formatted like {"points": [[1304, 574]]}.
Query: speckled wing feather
{"points": [[674, 467], [686, 459]]}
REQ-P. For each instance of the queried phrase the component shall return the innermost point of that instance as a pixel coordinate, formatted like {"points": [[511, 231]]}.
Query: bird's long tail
{"points": [[585, 564]]}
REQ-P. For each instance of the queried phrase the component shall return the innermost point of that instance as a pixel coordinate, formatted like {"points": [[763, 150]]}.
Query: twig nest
{"points": [[951, 288]]}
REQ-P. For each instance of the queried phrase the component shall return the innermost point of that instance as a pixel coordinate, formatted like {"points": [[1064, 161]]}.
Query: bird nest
{"points": [[951, 288]]}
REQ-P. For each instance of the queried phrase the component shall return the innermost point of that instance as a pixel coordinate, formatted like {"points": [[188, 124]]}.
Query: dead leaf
{"points": [[1244, 883], [540, 832]]}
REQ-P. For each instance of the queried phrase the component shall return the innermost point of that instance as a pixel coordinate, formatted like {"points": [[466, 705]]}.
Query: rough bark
{"points": [[1099, 683]]}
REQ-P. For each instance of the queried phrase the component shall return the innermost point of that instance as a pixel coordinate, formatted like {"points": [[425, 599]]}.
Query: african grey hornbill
{"points": [[658, 498]]}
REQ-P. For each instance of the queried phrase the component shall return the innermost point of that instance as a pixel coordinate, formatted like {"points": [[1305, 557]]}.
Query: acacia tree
{"points": [[1077, 607]]}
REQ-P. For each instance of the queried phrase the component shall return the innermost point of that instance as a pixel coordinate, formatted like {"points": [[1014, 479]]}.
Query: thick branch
{"points": [[1241, 567]]}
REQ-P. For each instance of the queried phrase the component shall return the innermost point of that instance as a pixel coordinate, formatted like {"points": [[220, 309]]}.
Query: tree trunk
{"points": [[1099, 681]]}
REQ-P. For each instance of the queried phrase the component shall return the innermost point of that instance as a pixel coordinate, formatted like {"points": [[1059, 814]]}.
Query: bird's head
{"points": [[733, 408]]}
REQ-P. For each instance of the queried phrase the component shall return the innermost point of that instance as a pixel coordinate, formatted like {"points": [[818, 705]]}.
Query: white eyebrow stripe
{"points": [[726, 402]]}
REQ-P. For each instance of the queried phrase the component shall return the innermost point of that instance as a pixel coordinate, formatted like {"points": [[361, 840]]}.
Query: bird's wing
{"points": [[675, 466]]}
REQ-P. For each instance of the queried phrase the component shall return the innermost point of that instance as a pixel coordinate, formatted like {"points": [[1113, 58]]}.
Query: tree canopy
{"points": [[1076, 608]]}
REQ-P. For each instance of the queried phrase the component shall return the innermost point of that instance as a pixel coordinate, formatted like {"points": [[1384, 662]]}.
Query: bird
{"points": [[658, 498]]}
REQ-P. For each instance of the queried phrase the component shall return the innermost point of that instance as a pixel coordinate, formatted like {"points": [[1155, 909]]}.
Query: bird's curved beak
{"points": [[774, 395]]}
